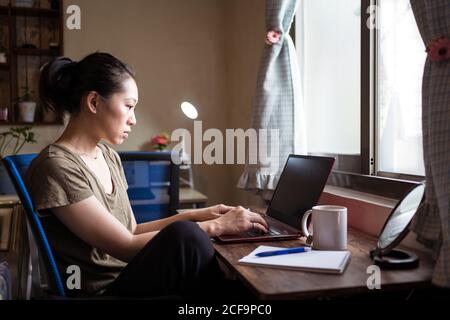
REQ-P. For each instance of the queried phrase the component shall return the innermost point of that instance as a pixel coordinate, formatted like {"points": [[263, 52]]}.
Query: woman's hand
{"points": [[209, 213], [235, 221]]}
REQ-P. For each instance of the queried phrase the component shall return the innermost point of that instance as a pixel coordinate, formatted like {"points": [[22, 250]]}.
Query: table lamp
{"points": [[190, 111]]}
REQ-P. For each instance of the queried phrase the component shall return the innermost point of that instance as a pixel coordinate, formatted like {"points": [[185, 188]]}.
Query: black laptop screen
{"points": [[299, 188]]}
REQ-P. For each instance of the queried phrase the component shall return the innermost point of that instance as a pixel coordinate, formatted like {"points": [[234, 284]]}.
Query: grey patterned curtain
{"points": [[432, 221], [275, 101]]}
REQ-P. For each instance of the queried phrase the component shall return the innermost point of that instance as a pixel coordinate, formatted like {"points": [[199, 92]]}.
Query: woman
{"points": [[78, 186]]}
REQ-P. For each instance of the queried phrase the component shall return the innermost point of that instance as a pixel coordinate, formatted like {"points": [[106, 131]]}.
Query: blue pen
{"points": [[282, 251]]}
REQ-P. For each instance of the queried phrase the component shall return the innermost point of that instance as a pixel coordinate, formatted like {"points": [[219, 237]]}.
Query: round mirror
{"points": [[394, 231]]}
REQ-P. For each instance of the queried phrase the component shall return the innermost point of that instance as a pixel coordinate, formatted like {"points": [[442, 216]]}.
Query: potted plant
{"points": [[160, 141], [11, 142], [27, 107]]}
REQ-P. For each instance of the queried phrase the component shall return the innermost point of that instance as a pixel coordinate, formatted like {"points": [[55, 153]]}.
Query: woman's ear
{"points": [[91, 101]]}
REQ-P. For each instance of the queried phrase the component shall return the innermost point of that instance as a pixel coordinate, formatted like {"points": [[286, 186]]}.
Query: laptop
{"points": [[298, 190]]}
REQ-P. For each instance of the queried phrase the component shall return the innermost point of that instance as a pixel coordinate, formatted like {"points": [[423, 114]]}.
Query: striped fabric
{"points": [[432, 221], [275, 102]]}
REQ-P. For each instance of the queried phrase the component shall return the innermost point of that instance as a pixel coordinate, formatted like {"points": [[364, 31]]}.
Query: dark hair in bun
{"points": [[63, 82]]}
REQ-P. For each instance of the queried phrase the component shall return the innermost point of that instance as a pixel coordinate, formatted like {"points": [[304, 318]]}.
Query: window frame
{"points": [[360, 172], [374, 50]]}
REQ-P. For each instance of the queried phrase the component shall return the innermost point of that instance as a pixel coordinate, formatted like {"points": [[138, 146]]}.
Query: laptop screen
{"points": [[299, 188]]}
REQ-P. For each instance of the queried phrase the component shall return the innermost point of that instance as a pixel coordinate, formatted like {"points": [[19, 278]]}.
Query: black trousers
{"points": [[179, 261]]}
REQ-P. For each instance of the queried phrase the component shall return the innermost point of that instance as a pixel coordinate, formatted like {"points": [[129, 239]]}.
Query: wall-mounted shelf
{"points": [[36, 123], [35, 12], [32, 36], [36, 52]]}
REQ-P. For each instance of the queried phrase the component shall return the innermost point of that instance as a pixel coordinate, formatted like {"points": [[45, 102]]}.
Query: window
{"points": [[330, 74], [361, 85], [400, 63]]}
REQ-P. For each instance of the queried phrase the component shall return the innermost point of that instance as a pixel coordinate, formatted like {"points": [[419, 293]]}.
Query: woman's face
{"points": [[117, 113]]}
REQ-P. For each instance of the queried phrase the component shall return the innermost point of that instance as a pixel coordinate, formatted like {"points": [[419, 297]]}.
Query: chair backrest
{"points": [[16, 167], [153, 191], [153, 184]]}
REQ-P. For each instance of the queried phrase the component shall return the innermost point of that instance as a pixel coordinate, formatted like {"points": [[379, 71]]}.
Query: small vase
{"points": [[3, 58], [3, 114], [27, 110]]}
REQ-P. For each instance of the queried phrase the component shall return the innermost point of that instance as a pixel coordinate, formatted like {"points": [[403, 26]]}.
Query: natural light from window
{"points": [[328, 45], [400, 67]]}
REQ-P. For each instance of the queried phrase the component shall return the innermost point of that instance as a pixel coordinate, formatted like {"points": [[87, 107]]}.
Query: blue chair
{"points": [[153, 184], [16, 166], [157, 192]]}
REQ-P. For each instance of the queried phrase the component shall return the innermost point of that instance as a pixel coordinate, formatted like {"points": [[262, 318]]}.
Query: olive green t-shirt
{"points": [[59, 177]]}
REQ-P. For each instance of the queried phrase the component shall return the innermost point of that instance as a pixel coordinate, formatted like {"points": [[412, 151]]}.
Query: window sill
{"points": [[366, 212], [361, 196], [372, 185]]}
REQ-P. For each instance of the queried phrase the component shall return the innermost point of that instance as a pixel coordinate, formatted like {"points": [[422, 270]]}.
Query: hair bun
{"points": [[60, 72], [57, 79]]}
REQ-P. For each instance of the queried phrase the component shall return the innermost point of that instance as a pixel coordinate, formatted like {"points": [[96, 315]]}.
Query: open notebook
{"points": [[314, 260]]}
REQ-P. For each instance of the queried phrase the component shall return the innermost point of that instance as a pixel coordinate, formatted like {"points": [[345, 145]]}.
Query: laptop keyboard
{"points": [[257, 233]]}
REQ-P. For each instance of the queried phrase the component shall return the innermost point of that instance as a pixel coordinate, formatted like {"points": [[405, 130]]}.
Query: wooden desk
{"points": [[189, 196], [271, 283]]}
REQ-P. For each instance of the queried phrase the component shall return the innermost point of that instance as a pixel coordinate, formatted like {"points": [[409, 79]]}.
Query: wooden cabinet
{"points": [[30, 36], [14, 243]]}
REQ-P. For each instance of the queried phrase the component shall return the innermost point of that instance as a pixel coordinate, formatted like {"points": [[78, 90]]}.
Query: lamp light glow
{"points": [[189, 110]]}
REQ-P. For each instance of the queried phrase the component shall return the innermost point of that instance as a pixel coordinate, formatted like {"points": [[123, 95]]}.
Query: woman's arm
{"points": [[215, 221], [159, 224], [197, 215], [92, 223]]}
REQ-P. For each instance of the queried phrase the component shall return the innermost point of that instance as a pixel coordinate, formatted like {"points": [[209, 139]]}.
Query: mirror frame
{"points": [[381, 252]]}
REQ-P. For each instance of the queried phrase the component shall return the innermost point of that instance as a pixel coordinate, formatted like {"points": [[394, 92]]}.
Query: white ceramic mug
{"points": [[329, 224]]}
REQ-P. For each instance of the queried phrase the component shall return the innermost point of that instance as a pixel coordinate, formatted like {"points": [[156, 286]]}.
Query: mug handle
{"points": [[305, 223]]}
